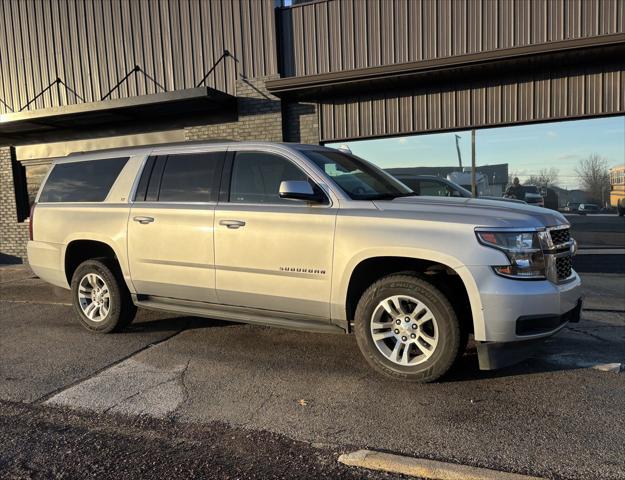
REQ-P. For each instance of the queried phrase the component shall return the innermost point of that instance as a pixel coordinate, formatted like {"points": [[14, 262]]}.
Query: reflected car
{"points": [[433, 186], [572, 207], [588, 208], [533, 195]]}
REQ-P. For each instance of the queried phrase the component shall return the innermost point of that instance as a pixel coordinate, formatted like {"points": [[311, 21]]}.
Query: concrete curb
{"points": [[422, 468], [609, 367]]}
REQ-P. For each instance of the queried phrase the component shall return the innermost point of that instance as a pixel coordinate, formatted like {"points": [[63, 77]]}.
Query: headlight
{"points": [[523, 250]]}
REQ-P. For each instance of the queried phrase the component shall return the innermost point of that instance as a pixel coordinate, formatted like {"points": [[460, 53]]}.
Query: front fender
{"points": [[344, 274]]}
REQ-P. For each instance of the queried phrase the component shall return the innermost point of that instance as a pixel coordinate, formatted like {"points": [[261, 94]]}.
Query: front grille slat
{"points": [[560, 236], [564, 267]]}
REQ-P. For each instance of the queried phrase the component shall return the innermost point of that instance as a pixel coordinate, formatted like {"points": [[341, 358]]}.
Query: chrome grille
{"points": [[564, 266], [560, 235]]}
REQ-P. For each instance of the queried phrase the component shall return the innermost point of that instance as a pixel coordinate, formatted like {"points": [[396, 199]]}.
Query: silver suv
{"points": [[303, 237]]}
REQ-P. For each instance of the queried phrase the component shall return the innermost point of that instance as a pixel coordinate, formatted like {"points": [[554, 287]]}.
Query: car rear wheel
{"points": [[406, 329], [101, 299]]}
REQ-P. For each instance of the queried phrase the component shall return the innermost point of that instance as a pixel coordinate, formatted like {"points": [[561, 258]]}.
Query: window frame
{"points": [[228, 171], [156, 164]]}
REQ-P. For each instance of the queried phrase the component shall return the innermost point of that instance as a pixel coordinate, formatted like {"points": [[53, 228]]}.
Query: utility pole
{"points": [[458, 150], [473, 166]]}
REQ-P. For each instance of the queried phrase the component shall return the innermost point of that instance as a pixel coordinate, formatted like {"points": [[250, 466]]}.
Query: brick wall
{"points": [[263, 117], [301, 123], [13, 234], [260, 116]]}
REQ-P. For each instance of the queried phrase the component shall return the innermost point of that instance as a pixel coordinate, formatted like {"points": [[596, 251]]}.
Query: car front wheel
{"points": [[406, 329]]}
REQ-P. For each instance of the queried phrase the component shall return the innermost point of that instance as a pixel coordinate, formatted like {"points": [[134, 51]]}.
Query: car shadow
{"points": [[174, 324]]}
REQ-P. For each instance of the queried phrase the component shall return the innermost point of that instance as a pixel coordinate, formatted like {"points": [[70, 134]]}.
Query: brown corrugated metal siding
{"points": [[91, 44], [334, 35], [528, 100], [331, 36]]}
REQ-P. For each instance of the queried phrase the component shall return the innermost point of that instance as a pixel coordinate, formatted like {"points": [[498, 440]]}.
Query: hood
{"points": [[472, 211]]}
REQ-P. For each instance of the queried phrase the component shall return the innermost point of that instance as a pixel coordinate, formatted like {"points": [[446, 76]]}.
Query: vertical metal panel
{"points": [[415, 37], [352, 119], [387, 13], [374, 38], [402, 32], [538, 14], [361, 34], [444, 28], [490, 29], [459, 26], [537, 97], [474, 27], [369, 33], [405, 113], [347, 35], [323, 49], [378, 115], [428, 27], [91, 44]]}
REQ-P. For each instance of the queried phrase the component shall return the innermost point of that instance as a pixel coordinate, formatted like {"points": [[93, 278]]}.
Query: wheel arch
{"points": [[82, 248], [367, 267]]}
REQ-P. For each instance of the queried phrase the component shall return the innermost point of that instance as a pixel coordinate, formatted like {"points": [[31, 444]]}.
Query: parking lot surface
{"points": [[552, 415]]}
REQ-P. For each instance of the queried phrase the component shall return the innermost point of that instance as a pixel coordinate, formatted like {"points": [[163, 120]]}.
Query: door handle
{"points": [[232, 223], [144, 220]]}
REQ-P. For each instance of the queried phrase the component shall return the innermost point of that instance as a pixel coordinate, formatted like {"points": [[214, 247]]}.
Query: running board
{"points": [[238, 314]]}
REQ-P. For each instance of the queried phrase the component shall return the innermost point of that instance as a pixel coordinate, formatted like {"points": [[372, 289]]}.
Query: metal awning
{"points": [[139, 112], [545, 56]]}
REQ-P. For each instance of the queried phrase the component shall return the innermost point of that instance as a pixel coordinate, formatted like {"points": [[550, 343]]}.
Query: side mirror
{"points": [[300, 190]]}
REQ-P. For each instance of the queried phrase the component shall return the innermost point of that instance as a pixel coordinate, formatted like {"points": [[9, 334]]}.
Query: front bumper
{"points": [[510, 316], [494, 355]]}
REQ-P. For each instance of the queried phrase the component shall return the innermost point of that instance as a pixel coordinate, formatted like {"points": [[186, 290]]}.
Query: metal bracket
{"points": [[135, 69], [58, 81], [219, 60]]}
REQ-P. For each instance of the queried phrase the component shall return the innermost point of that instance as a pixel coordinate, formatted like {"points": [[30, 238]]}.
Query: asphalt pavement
{"points": [[170, 377], [602, 230]]}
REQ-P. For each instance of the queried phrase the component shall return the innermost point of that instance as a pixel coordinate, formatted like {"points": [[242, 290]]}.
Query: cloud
{"points": [[402, 140], [552, 134]]}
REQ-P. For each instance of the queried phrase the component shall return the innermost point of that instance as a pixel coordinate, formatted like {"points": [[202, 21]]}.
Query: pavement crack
{"points": [[173, 415], [137, 393], [257, 411], [592, 335], [97, 372]]}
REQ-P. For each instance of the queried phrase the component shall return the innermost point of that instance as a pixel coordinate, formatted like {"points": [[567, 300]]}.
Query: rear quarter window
{"points": [[88, 181]]}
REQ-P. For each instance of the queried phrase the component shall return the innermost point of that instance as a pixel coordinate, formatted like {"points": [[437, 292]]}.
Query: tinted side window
{"points": [[88, 181], [191, 177], [256, 177]]}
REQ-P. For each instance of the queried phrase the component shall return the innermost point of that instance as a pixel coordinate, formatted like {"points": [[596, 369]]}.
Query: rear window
{"points": [[88, 181]]}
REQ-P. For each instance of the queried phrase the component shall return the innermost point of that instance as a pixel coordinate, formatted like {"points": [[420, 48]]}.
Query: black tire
{"points": [[121, 310], [450, 336]]}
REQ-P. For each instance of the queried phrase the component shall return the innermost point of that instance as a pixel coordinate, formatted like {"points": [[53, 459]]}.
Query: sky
{"points": [[526, 148]]}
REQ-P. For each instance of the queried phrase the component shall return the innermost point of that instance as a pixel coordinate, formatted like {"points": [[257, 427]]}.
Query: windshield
{"points": [[531, 189], [356, 177]]}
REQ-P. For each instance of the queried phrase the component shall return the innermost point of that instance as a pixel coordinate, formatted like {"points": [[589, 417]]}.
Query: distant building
{"points": [[570, 196], [617, 187]]}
